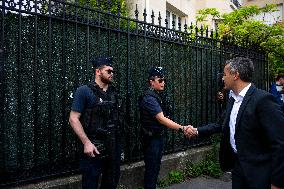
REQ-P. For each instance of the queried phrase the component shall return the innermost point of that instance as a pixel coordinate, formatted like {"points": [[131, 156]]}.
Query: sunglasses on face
{"points": [[161, 80], [109, 71]]}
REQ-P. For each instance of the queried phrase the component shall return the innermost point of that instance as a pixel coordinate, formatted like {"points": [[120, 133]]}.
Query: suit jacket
{"points": [[259, 137]]}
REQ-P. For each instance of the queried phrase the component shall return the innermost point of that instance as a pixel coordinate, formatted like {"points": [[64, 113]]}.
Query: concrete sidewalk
{"points": [[224, 182]]}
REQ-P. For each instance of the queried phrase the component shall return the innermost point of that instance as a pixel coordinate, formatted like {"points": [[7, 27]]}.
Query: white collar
{"points": [[242, 94]]}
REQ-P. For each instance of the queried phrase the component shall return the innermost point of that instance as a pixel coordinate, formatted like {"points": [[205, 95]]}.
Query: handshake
{"points": [[189, 131]]}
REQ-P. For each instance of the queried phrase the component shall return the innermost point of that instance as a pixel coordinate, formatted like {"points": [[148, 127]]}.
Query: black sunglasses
{"points": [[161, 80], [109, 71]]}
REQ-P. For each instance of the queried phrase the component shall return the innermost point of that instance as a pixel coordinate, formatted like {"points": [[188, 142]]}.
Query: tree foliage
{"points": [[111, 6], [203, 13], [242, 27]]}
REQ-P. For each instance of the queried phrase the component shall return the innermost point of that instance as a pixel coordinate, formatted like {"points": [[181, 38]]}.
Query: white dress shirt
{"points": [[234, 113]]}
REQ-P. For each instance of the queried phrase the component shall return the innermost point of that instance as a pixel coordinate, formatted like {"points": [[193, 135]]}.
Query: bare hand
{"points": [[190, 131], [90, 149], [275, 187]]}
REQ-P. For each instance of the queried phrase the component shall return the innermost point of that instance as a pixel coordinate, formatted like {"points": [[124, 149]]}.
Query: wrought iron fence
{"points": [[44, 57]]}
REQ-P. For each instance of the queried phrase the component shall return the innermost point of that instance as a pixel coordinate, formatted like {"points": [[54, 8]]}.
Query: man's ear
{"points": [[97, 71], [236, 76], [151, 81]]}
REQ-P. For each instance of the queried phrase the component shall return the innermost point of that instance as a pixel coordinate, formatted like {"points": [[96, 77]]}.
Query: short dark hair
{"points": [[279, 76], [244, 66]]}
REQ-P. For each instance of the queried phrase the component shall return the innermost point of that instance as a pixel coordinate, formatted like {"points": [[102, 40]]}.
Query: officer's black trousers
{"points": [[92, 168], [153, 149]]}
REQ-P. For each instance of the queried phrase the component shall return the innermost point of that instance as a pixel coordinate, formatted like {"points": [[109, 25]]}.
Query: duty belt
{"points": [[153, 132]]}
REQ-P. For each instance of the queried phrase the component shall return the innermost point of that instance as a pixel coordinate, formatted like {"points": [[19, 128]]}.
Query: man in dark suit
{"points": [[252, 143]]}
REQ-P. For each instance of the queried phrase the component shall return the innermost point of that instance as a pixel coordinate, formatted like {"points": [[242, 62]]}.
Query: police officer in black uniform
{"points": [[154, 123], [93, 117]]}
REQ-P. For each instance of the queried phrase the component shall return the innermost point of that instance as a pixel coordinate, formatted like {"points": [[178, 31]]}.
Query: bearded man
{"points": [[93, 118]]}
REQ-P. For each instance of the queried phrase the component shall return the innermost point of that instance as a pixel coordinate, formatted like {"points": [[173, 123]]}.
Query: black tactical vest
{"points": [[95, 120], [146, 119]]}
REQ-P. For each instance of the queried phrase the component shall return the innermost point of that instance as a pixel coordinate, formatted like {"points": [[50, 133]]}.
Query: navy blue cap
{"points": [[156, 71], [101, 61]]}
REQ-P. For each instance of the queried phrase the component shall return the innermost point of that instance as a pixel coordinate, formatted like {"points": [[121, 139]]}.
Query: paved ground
{"points": [[205, 183]]}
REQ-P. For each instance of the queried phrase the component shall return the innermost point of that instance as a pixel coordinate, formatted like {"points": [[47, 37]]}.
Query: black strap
{"points": [[100, 94]]}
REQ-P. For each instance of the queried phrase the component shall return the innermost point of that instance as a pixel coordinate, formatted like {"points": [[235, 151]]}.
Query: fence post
{"points": [[1, 70], [2, 110]]}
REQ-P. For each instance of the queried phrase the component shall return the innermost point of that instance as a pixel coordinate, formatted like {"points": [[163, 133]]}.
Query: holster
{"points": [[106, 140], [101, 148]]}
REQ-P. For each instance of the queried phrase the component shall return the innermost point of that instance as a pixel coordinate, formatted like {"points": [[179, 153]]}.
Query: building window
{"points": [[174, 21], [168, 17]]}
